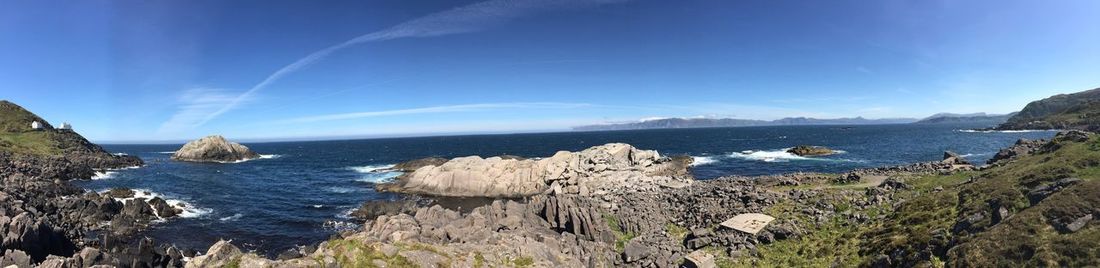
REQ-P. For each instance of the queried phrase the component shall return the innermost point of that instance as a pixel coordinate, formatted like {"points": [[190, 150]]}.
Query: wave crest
{"points": [[703, 160]]}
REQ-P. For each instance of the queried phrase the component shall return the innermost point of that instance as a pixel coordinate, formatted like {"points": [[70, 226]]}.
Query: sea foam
{"points": [[375, 173], [769, 156], [188, 210], [703, 160], [370, 168]]}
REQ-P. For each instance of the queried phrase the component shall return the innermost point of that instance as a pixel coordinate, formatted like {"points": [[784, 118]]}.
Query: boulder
{"points": [[953, 158], [120, 193], [807, 150], [219, 255], [213, 148]]}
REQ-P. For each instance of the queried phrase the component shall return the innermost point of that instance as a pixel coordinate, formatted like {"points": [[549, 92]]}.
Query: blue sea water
{"points": [[301, 192]]}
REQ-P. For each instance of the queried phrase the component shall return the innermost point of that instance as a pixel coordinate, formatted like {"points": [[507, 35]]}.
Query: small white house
{"points": [[36, 125], [66, 125]]}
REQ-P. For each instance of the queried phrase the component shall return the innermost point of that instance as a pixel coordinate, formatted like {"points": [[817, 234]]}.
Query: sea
{"points": [[302, 192]]}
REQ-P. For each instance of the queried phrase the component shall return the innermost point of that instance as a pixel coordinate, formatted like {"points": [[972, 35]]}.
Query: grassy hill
{"points": [[17, 136], [1037, 210], [1065, 111]]}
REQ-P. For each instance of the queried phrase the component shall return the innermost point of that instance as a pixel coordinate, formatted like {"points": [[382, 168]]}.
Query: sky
{"points": [[128, 71]]}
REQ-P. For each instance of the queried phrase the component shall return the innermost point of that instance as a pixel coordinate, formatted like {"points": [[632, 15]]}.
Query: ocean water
{"points": [[301, 192]]}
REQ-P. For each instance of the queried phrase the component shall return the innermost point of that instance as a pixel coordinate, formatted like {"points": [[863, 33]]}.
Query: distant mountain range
{"points": [[730, 122], [975, 118], [940, 118], [1079, 110]]}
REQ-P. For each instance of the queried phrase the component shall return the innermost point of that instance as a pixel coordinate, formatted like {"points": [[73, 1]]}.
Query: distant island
{"points": [[974, 118]]}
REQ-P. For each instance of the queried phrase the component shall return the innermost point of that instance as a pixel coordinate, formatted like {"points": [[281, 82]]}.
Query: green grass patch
{"points": [[523, 261], [677, 232], [479, 260], [621, 237], [351, 253]]}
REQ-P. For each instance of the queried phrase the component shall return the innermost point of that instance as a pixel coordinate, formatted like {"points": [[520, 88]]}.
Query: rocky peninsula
{"points": [[214, 148], [598, 169]]}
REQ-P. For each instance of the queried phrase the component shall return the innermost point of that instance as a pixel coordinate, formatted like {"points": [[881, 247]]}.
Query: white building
{"points": [[66, 125], [36, 125]]}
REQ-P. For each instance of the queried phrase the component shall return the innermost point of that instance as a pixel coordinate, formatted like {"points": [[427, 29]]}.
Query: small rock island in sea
{"points": [[214, 148], [807, 150]]}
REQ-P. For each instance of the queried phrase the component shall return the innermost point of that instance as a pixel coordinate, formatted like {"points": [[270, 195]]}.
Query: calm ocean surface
{"points": [[301, 192]]}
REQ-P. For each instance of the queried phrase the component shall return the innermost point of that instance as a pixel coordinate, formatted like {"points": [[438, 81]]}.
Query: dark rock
{"points": [[953, 158], [1042, 192], [847, 178], [163, 209], [697, 243], [1072, 136], [1021, 148], [1073, 226], [635, 250], [807, 150], [120, 193], [893, 184]]}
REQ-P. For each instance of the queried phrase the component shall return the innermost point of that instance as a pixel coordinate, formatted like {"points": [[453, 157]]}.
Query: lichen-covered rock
{"points": [[213, 148]]}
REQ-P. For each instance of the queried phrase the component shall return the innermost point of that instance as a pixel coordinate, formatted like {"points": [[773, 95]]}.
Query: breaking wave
{"points": [[189, 210], [703, 160], [375, 173]]}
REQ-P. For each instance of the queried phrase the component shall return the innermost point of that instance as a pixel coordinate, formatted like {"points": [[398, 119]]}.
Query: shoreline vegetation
{"points": [[610, 205]]}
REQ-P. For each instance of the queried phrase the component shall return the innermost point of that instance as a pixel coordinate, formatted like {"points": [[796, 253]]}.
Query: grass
{"points": [[835, 243], [31, 142], [234, 263], [351, 253], [524, 261], [621, 237], [677, 232], [922, 229], [479, 260]]}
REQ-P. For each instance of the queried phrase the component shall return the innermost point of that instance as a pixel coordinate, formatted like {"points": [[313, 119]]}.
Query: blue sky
{"points": [[174, 70]]}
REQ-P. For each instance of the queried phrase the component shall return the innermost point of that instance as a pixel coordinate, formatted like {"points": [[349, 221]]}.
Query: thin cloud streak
{"points": [[437, 109], [465, 19], [194, 105]]}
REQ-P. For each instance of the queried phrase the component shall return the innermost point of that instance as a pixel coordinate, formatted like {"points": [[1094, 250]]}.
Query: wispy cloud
{"points": [[437, 109], [470, 18], [194, 105]]}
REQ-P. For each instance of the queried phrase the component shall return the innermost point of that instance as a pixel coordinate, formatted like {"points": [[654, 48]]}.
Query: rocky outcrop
{"points": [[213, 148], [611, 167], [807, 150], [953, 158], [1022, 147]]}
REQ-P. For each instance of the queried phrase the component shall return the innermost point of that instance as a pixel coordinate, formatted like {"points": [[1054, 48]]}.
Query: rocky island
{"points": [[807, 150], [214, 148]]}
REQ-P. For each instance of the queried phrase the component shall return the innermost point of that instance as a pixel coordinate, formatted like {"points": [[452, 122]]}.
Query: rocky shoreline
{"points": [[608, 205], [644, 223]]}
